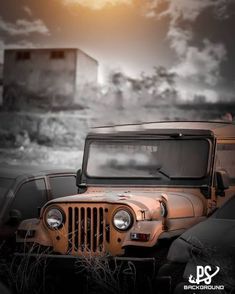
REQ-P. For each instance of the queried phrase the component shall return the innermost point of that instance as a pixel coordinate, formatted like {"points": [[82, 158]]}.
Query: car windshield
{"points": [[6, 183], [162, 158]]}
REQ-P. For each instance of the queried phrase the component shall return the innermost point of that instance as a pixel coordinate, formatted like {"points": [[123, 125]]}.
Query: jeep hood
{"points": [[178, 204]]}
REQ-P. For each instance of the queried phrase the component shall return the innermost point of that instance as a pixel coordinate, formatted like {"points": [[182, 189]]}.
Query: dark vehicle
{"points": [[208, 245], [24, 190]]}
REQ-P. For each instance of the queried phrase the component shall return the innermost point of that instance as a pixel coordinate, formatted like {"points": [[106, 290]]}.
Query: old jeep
{"points": [[140, 187]]}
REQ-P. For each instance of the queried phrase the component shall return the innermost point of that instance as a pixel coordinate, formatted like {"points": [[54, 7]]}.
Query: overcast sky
{"points": [[193, 38]]}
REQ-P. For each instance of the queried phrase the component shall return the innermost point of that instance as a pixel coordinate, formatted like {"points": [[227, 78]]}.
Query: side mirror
{"points": [[222, 179], [81, 187], [15, 217], [79, 177]]}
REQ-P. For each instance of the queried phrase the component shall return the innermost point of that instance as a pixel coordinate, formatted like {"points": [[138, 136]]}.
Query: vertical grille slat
{"points": [[79, 228], [86, 229], [92, 230], [82, 231], [70, 230], [76, 229], [98, 230], [95, 217], [101, 229]]}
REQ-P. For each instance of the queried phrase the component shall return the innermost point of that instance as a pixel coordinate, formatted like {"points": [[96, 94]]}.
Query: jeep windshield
{"points": [[161, 159]]}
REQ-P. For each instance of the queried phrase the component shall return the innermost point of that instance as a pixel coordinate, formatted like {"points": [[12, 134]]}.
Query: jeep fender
{"points": [[31, 231], [152, 228]]}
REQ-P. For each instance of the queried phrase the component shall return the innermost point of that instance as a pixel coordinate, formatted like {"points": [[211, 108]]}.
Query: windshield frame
{"points": [[186, 181], [5, 190]]}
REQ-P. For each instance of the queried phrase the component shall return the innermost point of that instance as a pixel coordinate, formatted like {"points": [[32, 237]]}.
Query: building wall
{"points": [[41, 78], [86, 75]]}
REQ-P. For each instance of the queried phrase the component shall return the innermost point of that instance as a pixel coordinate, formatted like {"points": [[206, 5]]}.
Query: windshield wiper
{"points": [[160, 171]]}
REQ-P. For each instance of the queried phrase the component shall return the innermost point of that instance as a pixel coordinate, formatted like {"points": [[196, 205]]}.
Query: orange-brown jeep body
{"points": [[165, 176]]}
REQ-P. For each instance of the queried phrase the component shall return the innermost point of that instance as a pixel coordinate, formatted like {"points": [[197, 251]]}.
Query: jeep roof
{"points": [[221, 129]]}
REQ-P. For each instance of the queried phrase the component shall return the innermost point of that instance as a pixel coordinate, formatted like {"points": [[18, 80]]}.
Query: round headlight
{"points": [[54, 218], [122, 220]]}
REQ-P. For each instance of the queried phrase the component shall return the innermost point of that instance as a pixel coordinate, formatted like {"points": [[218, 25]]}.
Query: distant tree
{"points": [[118, 83], [199, 99], [158, 87]]}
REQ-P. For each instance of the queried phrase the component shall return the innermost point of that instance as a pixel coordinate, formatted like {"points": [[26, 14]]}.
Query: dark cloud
{"points": [[199, 57], [18, 28]]}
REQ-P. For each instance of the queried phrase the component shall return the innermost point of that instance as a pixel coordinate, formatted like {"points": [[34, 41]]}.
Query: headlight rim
{"points": [[163, 209], [46, 213], [131, 218]]}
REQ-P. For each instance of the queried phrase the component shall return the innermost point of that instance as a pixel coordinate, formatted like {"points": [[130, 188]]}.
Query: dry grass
{"points": [[105, 275], [21, 274]]}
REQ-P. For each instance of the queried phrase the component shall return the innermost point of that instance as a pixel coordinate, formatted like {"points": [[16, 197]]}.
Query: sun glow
{"points": [[96, 4]]}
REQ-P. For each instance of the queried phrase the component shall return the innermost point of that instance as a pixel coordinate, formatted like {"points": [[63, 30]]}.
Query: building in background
{"points": [[46, 77]]}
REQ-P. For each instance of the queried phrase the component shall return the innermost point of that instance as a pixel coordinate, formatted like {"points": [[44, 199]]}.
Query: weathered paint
{"points": [[184, 209]]}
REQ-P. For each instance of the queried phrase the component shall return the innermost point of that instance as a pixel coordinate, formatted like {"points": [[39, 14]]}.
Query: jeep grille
{"points": [[87, 229]]}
